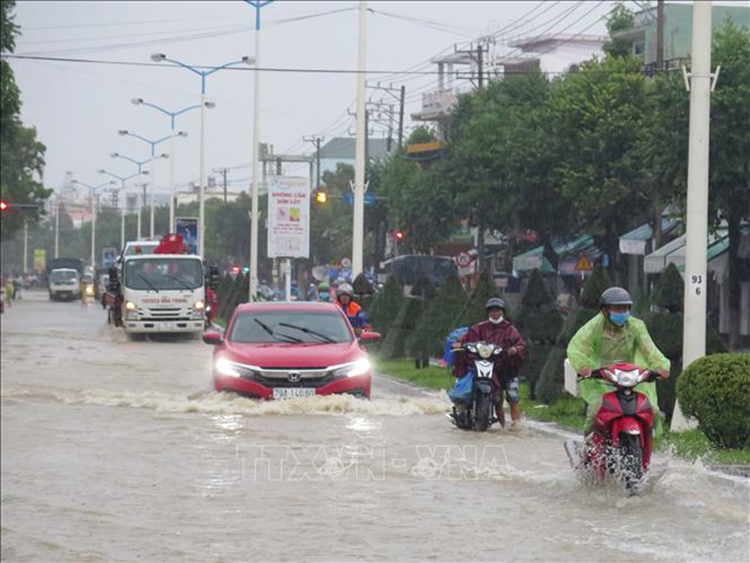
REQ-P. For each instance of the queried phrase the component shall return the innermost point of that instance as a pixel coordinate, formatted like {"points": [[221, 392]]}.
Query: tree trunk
{"points": [[480, 246], [733, 221]]}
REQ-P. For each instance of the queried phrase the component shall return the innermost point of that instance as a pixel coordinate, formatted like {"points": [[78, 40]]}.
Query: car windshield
{"points": [[163, 273], [63, 276], [303, 327]]}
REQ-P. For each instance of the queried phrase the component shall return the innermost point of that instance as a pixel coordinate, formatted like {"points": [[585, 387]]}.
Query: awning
{"points": [[567, 251], [674, 253], [634, 242], [532, 260]]}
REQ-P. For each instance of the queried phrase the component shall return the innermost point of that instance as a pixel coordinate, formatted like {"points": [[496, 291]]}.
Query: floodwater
{"points": [[120, 450]]}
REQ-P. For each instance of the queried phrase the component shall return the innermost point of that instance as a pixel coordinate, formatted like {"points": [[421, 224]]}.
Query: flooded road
{"points": [[118, 450]]}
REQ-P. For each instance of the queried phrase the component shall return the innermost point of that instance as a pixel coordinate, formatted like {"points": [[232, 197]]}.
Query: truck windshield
{"points": [[63, 276], [163, 273]]}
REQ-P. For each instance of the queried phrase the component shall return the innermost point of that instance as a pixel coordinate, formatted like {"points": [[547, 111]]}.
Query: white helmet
{"points": [[345, 289]]}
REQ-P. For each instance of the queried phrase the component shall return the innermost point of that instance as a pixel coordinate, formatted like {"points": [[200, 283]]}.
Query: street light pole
{"points": [[94, 208], [122, 179], [25, 246], [360, 164], [160, 57], [57, 226]]}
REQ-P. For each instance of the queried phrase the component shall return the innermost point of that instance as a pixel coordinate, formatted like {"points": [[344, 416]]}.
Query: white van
{"points": [[64, 283]]}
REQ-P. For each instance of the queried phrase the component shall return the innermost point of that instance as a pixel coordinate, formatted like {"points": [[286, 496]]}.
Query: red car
{"points": [[281, 350]]}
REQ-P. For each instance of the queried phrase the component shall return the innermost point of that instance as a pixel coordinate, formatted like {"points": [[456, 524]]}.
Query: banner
{"points": [[40, 259], [288, 217], [109, 257], [188, 228]]}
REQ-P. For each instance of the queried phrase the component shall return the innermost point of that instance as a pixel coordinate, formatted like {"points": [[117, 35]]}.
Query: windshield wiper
{"points": [[320, 335], [144, 278], [276, 336], [183, 282]]}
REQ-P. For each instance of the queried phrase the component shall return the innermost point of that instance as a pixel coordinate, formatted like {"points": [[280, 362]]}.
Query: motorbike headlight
{"points": [[199, 305], [208, 308], [360, 367], [626, 378], [225, 367], [89, 290], [485, 350]]}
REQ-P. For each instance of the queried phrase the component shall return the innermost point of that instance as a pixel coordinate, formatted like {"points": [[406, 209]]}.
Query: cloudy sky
{"points": [[78, 107]]}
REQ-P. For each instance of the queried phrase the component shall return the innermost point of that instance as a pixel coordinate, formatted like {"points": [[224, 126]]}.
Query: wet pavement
{"points": [[120, 450]]}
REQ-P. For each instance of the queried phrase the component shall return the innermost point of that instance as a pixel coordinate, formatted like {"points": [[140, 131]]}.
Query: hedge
{"points": [[386, 306], [394, 345], [715, 390]]}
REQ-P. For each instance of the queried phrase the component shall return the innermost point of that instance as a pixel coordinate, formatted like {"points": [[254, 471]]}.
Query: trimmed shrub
{"points": [[533, 364], [716, 391], [550, 384], [436, 323], [386, 306], [538, 320], [669, 292], [595, 286], [474, 310], [423, 288], [394, 346], [666, 332], [640, 303], [362, 286], [223, 293]]}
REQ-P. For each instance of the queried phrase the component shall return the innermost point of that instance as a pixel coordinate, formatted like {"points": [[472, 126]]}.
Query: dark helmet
{"points": [[495, 302], [615, 296]]}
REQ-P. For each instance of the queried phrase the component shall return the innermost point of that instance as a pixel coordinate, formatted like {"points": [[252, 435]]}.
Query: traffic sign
{"points": [[348, 198], [584, 264], [463, 259]]}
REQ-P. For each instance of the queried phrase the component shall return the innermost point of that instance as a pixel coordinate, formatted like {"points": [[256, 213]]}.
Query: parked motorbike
{"points": [[621, 443], [472, 395]]}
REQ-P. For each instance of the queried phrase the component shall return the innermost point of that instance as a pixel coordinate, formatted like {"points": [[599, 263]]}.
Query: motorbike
{"points": [[472, 395], [620, 445]]}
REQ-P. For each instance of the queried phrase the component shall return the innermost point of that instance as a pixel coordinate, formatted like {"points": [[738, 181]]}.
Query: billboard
{"points": [[188, 228], [40, 259], [109, 257], [288, 217]]}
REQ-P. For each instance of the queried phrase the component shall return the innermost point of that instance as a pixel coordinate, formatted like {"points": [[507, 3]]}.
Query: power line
{"points": [[262, 69]]}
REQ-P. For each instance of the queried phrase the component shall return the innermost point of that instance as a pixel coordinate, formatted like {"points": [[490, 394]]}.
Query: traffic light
{"points": [[4, 206], [399, 235], [321, 196]]}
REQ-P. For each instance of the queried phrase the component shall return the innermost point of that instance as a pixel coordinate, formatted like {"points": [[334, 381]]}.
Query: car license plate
{"points": [[291, 392]]}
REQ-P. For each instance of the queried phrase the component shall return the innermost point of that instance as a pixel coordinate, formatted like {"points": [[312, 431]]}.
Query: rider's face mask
{"points": [[495, 316], [619, 318]]}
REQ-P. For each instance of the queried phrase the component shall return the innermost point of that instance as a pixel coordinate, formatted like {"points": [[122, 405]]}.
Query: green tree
{"points": [[23, 155], [597, 115], [729, 173], [620, 19]]}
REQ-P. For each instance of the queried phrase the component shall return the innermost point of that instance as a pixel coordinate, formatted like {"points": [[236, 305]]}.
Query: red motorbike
{"points": [[622, 439]]}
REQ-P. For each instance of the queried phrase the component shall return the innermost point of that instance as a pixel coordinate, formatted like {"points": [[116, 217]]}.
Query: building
{"points": [[548, 53], [343, 150], [678, 29]]}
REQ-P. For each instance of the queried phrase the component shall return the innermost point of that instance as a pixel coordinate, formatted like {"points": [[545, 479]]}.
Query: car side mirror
{"points": [[212, 338], [369, 337]]}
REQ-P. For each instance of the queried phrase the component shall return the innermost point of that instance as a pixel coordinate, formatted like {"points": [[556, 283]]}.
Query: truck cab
{"points": [[64, 283], [162, 293]]}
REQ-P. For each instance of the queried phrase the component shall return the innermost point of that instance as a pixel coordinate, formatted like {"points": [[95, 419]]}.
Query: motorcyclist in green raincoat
{"points": [[611, 337]]}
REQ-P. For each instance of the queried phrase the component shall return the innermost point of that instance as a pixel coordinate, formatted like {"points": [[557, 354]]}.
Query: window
{"points": [[164, 274], [297, 327]]}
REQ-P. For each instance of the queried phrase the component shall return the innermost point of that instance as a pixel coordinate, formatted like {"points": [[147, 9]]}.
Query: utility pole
{"points": [[659, 68], [480, 67], [316, 142], [694, 324], [223, 172], [25, 246], [401, 119]]}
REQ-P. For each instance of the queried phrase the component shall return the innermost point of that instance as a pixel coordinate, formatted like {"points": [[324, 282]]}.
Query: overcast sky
{"points": [[78, 108]]}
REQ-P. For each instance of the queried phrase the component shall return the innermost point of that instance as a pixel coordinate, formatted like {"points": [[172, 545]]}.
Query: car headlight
{"points": [[199, 305], [130, 307], [225, 367], [353, 369], [485, 350]]}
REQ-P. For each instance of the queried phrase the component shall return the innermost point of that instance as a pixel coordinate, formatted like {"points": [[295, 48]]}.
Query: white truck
{"points": [[158, 293], [64, 283]]}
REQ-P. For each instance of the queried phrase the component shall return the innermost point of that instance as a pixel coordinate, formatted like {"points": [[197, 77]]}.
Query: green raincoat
{"points": [[600, 343]]}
